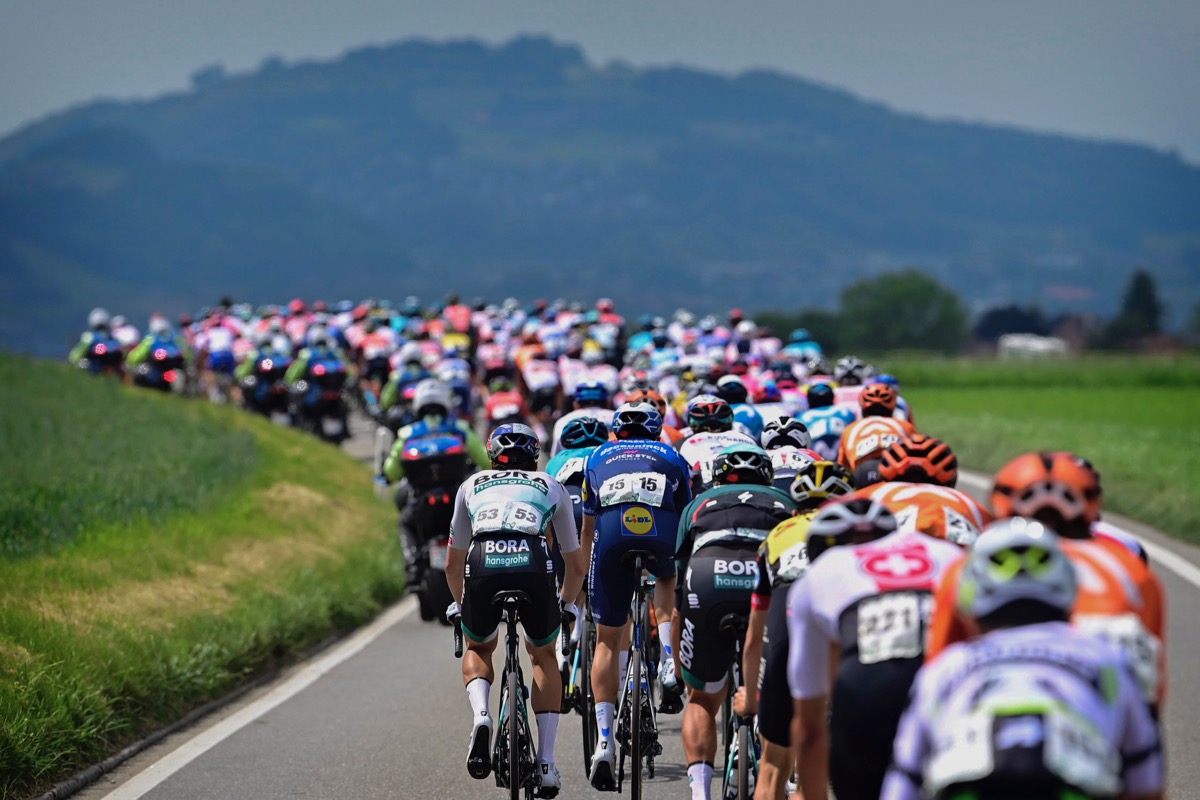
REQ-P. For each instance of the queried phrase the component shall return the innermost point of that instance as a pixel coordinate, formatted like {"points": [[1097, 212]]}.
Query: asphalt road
{"points": [[384, 715]]}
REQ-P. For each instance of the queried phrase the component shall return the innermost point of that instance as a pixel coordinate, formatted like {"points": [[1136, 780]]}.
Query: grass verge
{"points": [[136, 611]]}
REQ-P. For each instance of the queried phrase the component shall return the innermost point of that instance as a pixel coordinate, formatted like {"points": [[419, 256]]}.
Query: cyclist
{"points": [[856, 624], [782, 559], [670, 434], [710, 430], [504, 403], [635, 489], [99, 329], [719, 535], [746, 418], [920, 473], [864, 440], [502, 517], [825, 420], [591, 401], [1033, 708], [432, 405], [1120, 597], [787, 441], [158, 332]]}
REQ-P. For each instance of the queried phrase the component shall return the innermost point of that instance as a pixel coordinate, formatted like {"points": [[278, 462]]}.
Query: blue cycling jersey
{"points": [[749, 417], [570, 466], [825, 425]]}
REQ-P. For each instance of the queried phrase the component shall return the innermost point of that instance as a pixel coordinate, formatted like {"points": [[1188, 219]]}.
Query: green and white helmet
{"points": [[1016, 559]]}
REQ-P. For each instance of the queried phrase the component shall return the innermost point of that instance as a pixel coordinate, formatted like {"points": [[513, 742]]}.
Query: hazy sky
{"points": [[1113, 69]]}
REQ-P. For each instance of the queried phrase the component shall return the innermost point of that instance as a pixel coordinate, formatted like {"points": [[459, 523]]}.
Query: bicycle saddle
{"points": [[514, 597], [734, 624], [647, 557]]}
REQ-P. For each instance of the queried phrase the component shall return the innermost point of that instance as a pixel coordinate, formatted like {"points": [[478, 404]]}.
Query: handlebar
{"points": [[568, 622], [458, 636]]}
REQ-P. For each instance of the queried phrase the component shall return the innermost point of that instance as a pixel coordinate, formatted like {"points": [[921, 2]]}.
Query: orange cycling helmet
{"points": [[647, 396], [1059, 490], [920, 459], [878, 400]]}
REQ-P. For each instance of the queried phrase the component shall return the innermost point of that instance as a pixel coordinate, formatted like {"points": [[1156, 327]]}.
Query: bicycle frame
{"points": [[637, 726], [742, 746]]}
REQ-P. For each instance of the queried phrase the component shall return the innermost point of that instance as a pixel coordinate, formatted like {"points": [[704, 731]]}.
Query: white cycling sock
{"points": [[547, 722], [604, 720], [623, 664], [664, 638], [577, 631], [700, 780], [477, 693]]}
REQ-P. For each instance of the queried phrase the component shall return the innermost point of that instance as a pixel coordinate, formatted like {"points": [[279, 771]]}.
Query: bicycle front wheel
{"points": [[745, 756], [515, 778], [635, 725], [591, 732]]}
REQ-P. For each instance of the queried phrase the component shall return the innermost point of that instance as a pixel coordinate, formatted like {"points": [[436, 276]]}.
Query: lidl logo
{"points": [[638, 520]]}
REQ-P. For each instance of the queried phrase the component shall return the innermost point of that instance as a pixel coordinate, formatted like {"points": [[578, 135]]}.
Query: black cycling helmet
{"points": [[709, 413], [785, 432], [743, 463], [514, 445], [820, 395], [583, 432], [732, 390], [848, 522]]}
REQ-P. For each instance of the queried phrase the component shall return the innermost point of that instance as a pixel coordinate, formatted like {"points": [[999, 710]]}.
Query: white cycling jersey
{"points": [[886, 585], [700, 449], [1046, 687], [512, 501], [540, 375], [788, 460], [605, 415]]}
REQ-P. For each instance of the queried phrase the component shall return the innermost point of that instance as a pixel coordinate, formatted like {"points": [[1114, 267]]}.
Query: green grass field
{"points": [[1138, 421], [159, 552]]}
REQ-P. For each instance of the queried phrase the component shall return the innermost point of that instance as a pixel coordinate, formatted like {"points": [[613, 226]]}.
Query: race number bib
{"points": [[962, 753], [889, 627], [1141, 647], [647, 488], [1076, 752], [793, 563], [510, 516], [789, 459], [874, 443], [573, 467]]}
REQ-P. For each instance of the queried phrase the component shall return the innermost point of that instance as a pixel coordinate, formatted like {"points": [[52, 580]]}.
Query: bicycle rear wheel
{"points": [[515, 778], [745, 755], [635, 725]]}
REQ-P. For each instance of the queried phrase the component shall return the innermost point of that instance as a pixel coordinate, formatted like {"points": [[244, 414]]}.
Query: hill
{"points": [[523, 169]]}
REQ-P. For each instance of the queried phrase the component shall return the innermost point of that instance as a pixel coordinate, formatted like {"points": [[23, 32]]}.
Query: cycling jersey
{"points": [[573, 372], [731, 513], [787, 462], [847, 394], [747, 419], [867, 438], [937, 511], [1026, 708], [1106, 530], [1119, 598], [393, 467], [873, 600], [635, 490], [825, 425], [505, 406], [700, 449], [499, 502], [782, 557]]}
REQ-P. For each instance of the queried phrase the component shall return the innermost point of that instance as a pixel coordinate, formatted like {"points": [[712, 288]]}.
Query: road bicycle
{"points": [[742, 748], [637, 727]]}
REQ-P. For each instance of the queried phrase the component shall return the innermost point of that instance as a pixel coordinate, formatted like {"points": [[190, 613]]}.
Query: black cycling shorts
{"points": [[509, 562], [543, 400], [865, 710], [719, 580], [774, 696]]}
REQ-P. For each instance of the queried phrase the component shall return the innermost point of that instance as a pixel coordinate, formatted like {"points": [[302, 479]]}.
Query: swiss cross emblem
{"points": [[908, 567]]}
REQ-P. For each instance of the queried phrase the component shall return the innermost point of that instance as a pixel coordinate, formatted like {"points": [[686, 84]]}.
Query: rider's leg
{"points": [[700, 738], [547, 696], [774, 769]]}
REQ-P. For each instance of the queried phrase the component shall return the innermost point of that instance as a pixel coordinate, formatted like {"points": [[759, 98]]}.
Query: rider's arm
{"points": [[809, 655], [298, 369], [752, 651], [460, 540], [246, 368], [569, 545], [389, 395], [945, 625], [80, 350], [138, 354], [393, 466], [1142, 762]]}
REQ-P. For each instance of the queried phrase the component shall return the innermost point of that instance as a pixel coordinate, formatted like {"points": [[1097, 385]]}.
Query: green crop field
{"points": [[1138, 421], [157, 553]]}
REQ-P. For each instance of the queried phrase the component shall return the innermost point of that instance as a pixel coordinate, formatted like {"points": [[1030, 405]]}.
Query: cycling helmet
{"points": [[318, 337], [800, 335], [848, 522], [185, 320], [583, 432], [849, 371], [605, 305], [817, 364], [820, 395], [432, 397], [817, 481], [297, 306], [591, 393], [1015, 560], [877, 400], [743, 463], [709, 413], [920, 459], [500, 384], [784, 432], [870, 373], [732, 390], [708, 324], [890, 380], [159, 326], [637, 421], [659, 337], [411, 353], [648, 396], [512, 443], [1059, 490], [99, 318]]}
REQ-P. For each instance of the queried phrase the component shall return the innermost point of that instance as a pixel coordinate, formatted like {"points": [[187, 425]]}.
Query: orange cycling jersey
{"points": [[1119, 599], [868, 437], [937, 511]]}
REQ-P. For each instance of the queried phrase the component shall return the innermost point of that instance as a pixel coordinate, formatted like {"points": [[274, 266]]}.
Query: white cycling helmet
{"points": [[432, 397], [411, 353], [158, 325], [786, 431], [99, 318], [1016, 559]]}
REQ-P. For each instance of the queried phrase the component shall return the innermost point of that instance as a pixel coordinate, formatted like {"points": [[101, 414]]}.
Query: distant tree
{"points": [[1140, 316], [821, 323], [999, 320], [1191, 330], [901, 310], [208, 76]]}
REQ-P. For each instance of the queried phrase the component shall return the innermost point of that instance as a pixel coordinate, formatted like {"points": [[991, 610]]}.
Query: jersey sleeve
{"points": [[591, 500], [808, 648], [761, 596], [460, 524], [683, 489], [564, 520], [1144, 768], [946, 626]]}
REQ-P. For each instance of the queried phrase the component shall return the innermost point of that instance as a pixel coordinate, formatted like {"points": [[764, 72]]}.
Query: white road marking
{"points": [[176, 760], [1159, 555]]}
